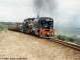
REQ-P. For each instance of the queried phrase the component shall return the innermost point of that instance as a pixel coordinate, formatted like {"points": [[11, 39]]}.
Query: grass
{"points": [[3, 27], [65, 38]]}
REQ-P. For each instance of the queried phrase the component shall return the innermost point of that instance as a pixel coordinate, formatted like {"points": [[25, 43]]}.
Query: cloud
{"points": [[66, 11], [16, 3], [15, 10]]}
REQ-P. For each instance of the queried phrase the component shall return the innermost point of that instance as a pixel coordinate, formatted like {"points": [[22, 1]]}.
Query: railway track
{"points": [[68, 44]]}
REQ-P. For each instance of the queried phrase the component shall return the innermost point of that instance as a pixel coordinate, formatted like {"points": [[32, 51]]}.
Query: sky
{"points": [[66, 13], [15, 10]]}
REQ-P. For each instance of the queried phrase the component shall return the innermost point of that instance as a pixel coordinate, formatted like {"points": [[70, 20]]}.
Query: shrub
{"points": [[3, 27], [71, 39], [61, 37], [65, 38]]}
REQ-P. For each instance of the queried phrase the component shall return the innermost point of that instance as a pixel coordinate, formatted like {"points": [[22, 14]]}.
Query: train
{"points": [[42, 27]]}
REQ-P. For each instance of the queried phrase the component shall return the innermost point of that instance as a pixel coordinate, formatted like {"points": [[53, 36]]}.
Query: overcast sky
{"points": [[66, 12], [15, 10]]}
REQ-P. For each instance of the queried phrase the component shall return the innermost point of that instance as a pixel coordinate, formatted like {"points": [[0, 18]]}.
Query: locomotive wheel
{"points": [[21, 30], [33, 33], [40, 35]]}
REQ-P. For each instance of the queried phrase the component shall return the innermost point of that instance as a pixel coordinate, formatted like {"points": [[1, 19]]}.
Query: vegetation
{"points": [[65, 38], [3, 27]]}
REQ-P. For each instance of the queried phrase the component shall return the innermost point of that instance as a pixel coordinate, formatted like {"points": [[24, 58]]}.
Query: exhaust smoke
{"points": [[44, 7]]}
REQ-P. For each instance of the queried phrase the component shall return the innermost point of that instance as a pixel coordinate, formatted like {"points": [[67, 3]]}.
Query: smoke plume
{"points": [[44, 7]]}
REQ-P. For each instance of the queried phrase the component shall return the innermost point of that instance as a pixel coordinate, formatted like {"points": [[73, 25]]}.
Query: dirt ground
{"points": [[19, 45]]}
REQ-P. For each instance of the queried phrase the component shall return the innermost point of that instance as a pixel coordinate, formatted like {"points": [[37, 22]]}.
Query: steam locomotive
{"points": [[42, 27]]}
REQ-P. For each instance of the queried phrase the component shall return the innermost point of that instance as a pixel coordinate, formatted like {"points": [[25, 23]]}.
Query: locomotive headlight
{"points": [[48, 33]]}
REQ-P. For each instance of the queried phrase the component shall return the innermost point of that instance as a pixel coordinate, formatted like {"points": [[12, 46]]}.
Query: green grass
{"points": [[3, 27], [65, 38]]}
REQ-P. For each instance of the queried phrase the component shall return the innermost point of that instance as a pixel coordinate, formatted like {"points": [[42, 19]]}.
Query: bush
{"points": [[3, 27], [61, 37], [65, 38], [71, 39]]}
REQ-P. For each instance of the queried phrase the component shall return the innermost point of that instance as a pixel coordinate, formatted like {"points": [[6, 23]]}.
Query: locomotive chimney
{"points": [[38, 15]]}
